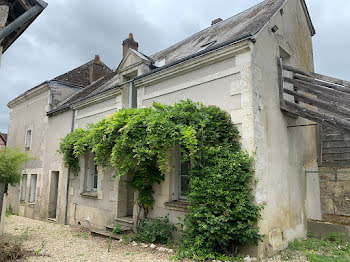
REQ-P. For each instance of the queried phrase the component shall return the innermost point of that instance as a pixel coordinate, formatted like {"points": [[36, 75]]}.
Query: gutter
{"points": [[247, 36], [24, 18], [68, 176]]}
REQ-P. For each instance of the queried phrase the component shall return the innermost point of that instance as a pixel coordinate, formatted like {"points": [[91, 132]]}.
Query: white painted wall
{"points": [[282, 153]]}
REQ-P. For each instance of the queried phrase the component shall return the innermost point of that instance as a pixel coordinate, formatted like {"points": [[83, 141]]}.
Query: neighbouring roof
{"points": [[246, 23], [16, 9], [77, 78], [3, 137], [81, 75], [250, 21]]}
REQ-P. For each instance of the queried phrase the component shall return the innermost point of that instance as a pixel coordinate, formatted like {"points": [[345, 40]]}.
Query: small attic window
{"points": [[207, 45]]}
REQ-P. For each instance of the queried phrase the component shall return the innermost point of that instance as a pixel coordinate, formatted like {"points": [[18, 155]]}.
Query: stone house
{"points": [[231, 64]]}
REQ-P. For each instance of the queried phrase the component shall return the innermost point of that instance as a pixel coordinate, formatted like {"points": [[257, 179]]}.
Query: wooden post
{"points": [[280, 81]]}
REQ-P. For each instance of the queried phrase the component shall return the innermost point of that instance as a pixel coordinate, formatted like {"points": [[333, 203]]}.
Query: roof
{"points": [[18, 8], [250, 21], [242, 26], [81, 75], [77, 78], [3, 137]]}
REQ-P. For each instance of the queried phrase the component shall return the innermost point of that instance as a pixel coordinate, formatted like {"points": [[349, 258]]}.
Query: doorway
{"points": [[53, 194]]}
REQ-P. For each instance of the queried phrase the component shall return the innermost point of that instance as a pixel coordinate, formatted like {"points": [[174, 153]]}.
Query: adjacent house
{"points": [[237, 64], [15, 18]]}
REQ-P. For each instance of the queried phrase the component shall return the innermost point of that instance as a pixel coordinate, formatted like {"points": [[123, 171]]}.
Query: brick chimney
{"points": [[129, 43], [96, 70]]}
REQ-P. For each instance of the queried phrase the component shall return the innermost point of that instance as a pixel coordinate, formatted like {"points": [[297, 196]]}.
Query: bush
{"points": [[156, 230]]}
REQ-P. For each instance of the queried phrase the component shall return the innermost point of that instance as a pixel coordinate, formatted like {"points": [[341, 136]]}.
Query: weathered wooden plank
{"points": [[319, 76], [328, 106], [315, 116], [336, 137], [321, 83], [336, 157], [334, 144], [336, 150], [280, 80], [319, 91]]}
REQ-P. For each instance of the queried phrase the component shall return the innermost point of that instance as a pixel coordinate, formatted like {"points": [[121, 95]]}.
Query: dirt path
{"points": [[65, 243]]}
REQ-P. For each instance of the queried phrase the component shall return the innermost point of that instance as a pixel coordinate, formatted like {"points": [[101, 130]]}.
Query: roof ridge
{"points": [[217, 24]]}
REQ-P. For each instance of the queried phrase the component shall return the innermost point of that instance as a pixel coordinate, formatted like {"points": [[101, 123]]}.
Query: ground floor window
{"points": [[33, 183], [183, 181], [24, 188], [91, 174]]}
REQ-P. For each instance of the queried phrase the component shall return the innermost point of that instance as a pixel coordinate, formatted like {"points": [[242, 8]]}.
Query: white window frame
{"points": [[24, 187], [91, 174], [33, 187], [28, 139]]}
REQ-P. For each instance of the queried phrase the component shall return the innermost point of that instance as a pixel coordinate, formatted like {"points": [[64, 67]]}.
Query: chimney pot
{"points": [[97, 59], [217, 20], [129, 43]]}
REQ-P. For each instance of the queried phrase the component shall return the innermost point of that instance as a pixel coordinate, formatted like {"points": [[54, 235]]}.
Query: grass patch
{"points": [[332, 248]]}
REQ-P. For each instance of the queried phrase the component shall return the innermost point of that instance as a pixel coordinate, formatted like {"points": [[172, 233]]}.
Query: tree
{"points": [[11, 161]]}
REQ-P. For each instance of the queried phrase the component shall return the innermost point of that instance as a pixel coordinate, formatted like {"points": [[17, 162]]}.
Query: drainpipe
{"points": [[132, 95], [68, 175], [32, 12]]}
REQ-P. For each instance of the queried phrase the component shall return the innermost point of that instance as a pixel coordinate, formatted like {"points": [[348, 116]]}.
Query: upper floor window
{"points": [[28, 141]]}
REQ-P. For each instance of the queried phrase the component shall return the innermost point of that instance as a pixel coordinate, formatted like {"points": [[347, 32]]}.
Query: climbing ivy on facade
{"points": [[137, 142]]}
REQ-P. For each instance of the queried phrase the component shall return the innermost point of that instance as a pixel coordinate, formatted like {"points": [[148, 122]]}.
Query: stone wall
{"points": [[335, 195]]}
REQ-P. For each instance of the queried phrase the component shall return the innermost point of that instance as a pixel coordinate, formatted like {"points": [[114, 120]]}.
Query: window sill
{"points": [[177, 205], [31, 203], [90, 194]]}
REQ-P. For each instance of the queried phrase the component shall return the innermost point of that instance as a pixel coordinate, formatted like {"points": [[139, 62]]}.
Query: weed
{"points": [[38, 251], [10, 212], [84, 235], [117, 229], [25, 234]]}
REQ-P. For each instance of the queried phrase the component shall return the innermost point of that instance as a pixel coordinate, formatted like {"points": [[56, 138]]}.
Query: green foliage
{"points": [[137, 143], [117, 229], [10, 212], [11, 161], [156, 230], [318, 249]]}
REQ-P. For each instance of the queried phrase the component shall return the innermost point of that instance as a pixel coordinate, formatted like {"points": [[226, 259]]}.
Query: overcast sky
{"points": [[70, 32]]}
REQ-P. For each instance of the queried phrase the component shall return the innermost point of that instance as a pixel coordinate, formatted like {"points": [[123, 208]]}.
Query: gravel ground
{"points": [[56, 242]]}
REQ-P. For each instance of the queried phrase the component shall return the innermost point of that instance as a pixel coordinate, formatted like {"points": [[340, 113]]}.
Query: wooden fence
{"points": [[324, 100]]}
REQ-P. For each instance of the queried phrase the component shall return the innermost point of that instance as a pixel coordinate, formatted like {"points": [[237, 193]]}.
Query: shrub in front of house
{"points": [[222, 214], [157, 230]]}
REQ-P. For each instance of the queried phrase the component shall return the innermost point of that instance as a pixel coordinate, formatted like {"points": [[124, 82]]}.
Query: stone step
{"points": [[124, 229], [106, 233], [125, 221]]}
